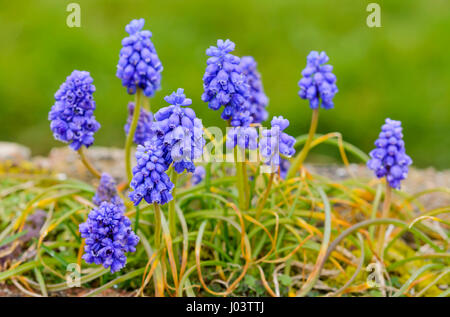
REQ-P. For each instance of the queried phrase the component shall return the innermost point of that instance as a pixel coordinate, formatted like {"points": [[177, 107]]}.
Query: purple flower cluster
{"points": [[226, 85], [198, 175], [139, 65], [106, 191], [389, 158], [258, 100], [245, 137], [72, 116], [108, 236], [144, 126], [318, 84], [150, 181], [274, 141], [180, 130]]}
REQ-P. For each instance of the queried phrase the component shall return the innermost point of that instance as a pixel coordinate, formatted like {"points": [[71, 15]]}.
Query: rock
{"points": [[14, 152], [65, 160], [418, 180]]}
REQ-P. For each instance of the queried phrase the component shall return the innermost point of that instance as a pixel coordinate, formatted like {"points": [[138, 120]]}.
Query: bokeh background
{"points": [[401, 70]]}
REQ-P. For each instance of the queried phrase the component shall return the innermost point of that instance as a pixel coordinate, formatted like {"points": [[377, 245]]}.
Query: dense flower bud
{"points": [[181, 131], [72, 116], [226, 85], [245, 137], [108, 236], [139, 65], [258, 100], [318, 84], [150, 181], [389, 158], [274, 141]]}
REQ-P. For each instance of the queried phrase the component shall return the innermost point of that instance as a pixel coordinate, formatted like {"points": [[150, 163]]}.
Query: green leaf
{"points": [[250, 281], [12, 238], [285, 280]]}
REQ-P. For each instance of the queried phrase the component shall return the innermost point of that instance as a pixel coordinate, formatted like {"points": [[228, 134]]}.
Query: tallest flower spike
{"points": [[139, 65], [318, 86], [225, 84]]}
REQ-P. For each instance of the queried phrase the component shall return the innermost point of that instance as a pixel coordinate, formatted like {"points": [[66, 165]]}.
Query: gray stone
{"points": [[14, 152]]}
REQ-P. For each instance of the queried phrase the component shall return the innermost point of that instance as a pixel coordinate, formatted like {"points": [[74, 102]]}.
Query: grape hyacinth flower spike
{"points": [[72, 117], [244, 137], [140, 69], [150, 181], [181, 132], [389, 158], [108, 236], [318, 86], [275, 142], [225, 84], [139, 66], [144, 125], [258, 100]]}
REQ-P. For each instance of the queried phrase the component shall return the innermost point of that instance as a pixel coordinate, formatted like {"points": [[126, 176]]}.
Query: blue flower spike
{"points": [[139, 65], [389, 158], [72, 117], [225, 84], [318, 84]]}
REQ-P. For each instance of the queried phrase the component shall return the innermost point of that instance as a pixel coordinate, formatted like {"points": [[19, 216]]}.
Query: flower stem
{"points": [[157, 227], [300, 158], [384, 214], [266, 194], [130, 136], [136, 223], [240, 180], [159, 272], [172, 213], [208, 183], [88, 164], [246, 185]]}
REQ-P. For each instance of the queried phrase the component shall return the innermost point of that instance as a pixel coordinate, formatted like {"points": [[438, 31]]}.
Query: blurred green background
{"points": [[401, 70]]}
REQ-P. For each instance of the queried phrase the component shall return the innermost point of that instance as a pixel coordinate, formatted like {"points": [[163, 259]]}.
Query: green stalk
{"points": [[130, 136], [240, 180], [385, 214], [172, 212], [266, 194], [348, 147], [136, 223], [157, 227], [246, 185], [298, 161], [208, 182], [159, 289], [88, 164]]}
